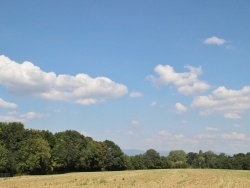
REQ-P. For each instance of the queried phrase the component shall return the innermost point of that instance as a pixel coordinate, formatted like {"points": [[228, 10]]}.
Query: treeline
{"points": [[29, 151]]}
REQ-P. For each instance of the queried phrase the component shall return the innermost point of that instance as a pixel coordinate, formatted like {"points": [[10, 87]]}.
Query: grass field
{"points": [[141, 178]]}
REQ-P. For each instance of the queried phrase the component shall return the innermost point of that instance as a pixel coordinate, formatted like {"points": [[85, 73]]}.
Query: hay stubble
{"points": [[141, 178]]}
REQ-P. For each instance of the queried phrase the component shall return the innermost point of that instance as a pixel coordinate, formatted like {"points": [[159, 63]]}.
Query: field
{"points": [[141, 178]]}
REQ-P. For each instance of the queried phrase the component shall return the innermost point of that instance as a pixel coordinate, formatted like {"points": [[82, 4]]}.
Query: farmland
{"points": [[140, 178]]}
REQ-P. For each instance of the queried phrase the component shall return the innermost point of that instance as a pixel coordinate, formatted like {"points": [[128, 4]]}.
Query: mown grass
{"points": [[141, 178]]}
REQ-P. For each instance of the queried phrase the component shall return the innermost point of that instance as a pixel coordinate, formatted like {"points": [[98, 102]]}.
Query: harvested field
{"points": [[141, 178]]}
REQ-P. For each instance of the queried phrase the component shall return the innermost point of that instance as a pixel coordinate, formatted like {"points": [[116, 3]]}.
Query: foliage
{"points": [[28, 151], [3, 157]]}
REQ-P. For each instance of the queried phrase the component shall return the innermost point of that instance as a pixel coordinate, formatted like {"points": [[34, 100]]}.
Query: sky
{"points": [[164, 75]]}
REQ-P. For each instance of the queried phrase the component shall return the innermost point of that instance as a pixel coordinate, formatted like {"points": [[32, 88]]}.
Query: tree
{"points": [[91, 157], [12, 135], [34, 155], [178, 159], [114, 157], [165, 162], [152, 159], [137, 162], [209, 159], [223, 161], [3, 157], [67, 151], [192, 159]]}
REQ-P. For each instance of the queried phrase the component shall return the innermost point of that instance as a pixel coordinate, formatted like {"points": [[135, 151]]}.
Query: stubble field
{"points": [[141, 178]]}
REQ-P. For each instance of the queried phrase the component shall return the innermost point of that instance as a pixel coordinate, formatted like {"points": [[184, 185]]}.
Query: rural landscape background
{"points": [[82, 82], [103, 164]]}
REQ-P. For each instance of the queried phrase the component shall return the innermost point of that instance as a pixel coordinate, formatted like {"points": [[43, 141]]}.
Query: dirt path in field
{"points": [[181, 178]]}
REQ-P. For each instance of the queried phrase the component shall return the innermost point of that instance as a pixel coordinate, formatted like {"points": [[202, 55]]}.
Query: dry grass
{"points": [[141, 178]]}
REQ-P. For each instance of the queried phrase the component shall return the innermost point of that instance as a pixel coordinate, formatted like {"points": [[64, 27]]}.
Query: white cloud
{"points": [[17, 117], [170, 136], [135, 94], [9, 118], [225, 101], [234, 136], [214, 41], [180, 108], [28, 79], [232, 116], [135, 122], [187, 83], [204, 136], [166, 139], [5, 104], [211, 129], [164, 133], [12, 113], [32, 115], [224, 136], [179, 136]]}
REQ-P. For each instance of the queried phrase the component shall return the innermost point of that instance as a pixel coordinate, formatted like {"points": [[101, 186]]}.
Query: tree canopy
{"points": [[29, 151]]}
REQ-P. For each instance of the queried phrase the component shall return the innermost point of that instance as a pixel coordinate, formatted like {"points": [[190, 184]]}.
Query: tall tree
{"points": [[3, 157], [67, 151], [12, 134], [35, 155], [114, 157], [178, 159], [152, 159]]}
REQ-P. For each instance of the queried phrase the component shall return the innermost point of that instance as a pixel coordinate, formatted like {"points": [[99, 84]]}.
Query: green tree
{"points": [[178, 159], [165, 162], [137, 162], [34, 155], [91, 157], [209, 158], [152, 159], [67, 151], [114, 157], [12, 134], [192, 159], [3, 157], [223, 161]]}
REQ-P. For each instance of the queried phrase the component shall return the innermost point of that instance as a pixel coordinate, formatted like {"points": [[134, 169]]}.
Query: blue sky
{"points": [[145, 74]]}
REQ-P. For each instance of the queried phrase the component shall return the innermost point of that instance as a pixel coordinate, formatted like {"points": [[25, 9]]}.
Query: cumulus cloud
{"points": [[225, 101], [32, 115], [9, 118], [187, 83], [6, 104], [170, 136], [28, 79], [164, 138], [232, 116], [164, 133], [16, 117], [179, 108], [204, 136], [214, 41], [135, 94], [234, 136], [224, 136]]}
